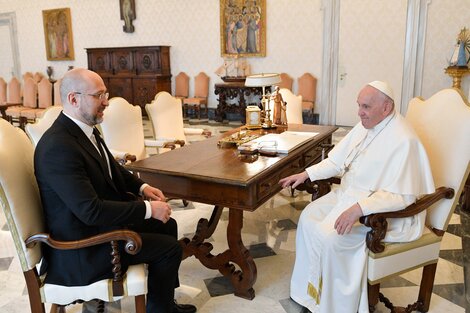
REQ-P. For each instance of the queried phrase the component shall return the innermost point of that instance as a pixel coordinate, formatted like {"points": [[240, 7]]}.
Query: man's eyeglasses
{"points": [[101, 95]]}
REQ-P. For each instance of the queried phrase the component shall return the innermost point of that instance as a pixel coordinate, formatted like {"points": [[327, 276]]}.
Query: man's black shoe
{"points": [[184, 308]]}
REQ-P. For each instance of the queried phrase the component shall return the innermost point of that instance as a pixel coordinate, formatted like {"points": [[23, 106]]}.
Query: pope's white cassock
{"points": [[384, 168]]}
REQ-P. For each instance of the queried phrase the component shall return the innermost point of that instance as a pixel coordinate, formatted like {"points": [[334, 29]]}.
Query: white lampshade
{"points": [[263, 79]]}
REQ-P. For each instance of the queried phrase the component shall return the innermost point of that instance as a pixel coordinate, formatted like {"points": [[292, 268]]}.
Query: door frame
{"points": [[9, 19], [416, 24]]}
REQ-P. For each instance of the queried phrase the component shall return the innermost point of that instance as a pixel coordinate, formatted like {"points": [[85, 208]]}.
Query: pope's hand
{"points": [[346, 220], [293, 180]]}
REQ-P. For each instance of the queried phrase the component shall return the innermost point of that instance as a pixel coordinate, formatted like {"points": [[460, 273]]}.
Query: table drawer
{"points": [[315, 153], [269, 185]]}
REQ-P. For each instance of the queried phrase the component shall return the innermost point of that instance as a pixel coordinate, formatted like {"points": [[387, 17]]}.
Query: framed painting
{"points": [[58, 34], [243, 28]]}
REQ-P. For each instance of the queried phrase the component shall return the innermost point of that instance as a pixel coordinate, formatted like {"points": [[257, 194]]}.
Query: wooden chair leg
{"points": [[427, 283], [23, 121], [373, 295], [140, 304], [57, 308], [31, 278]]}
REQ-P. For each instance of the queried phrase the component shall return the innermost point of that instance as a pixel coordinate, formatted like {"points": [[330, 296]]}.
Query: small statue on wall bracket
{"points": [[127, 14]]}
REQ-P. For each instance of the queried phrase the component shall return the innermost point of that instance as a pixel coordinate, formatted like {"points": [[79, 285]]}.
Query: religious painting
{"points": [[127, 8], [58, 34], [243, 28]]}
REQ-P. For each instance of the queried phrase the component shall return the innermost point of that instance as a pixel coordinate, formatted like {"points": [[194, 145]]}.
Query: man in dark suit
{"points": [[84, 192]]}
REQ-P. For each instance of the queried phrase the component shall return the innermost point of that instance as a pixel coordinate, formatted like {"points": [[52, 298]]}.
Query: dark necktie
{"points": [[100, 144]]}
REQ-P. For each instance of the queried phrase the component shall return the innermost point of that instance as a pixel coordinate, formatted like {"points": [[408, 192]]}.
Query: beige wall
{"points": [[190, 27], [445, 20]]}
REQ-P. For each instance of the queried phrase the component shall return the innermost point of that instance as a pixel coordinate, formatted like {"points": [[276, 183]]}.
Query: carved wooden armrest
{"points": [[5, 106], [131, 157], [318, 188], [132, 246], [378, 221], [172, 144]]}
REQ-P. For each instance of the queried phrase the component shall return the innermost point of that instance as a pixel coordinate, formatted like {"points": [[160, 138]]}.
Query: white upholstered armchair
{"points": [[443, 124], [20, 201], [123, 131], [166, 116]]}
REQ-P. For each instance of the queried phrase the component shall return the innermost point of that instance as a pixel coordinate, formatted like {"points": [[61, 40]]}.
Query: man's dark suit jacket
{"points": [[81, 200]]}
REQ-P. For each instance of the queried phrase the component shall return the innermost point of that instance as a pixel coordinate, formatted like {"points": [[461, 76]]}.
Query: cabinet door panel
{"points": [[120, 87], [144, 90], [99, 61], [148, 62], [123, 62]]}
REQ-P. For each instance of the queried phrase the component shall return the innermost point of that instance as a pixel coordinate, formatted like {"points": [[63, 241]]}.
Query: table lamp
{"points": [[263, 80]]}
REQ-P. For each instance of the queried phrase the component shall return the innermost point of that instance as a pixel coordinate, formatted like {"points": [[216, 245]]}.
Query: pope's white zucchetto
{"points": [[383, 87]]}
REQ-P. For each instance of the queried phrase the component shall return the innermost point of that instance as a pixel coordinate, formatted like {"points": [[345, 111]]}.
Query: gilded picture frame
{"points": [[58, 34], [243, 28]]}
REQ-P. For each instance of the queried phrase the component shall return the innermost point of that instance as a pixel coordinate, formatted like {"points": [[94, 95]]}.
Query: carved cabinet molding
{"points": [[135, 73]]}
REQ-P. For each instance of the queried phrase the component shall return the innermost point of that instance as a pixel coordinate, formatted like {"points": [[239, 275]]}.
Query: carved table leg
{"points": [[242, 279], [204, 230], [465, 204]]}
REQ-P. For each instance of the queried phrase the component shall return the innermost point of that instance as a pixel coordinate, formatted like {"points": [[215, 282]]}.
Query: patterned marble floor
{"points": [[269, 233]]}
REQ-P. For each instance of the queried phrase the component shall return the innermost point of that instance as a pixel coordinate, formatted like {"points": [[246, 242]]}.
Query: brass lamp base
{"points": [[268, 126], [267, 123]]}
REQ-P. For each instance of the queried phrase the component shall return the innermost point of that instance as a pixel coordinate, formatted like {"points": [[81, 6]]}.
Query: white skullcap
{"points": [[383, 87]]}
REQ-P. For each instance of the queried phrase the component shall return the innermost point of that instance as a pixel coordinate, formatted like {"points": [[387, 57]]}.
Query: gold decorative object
{"points": [[237, 139], [456, 73], [253, 117]]}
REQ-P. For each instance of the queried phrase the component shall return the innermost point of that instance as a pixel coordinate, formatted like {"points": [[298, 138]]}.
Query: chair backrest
{"points": [[14, 91], [443, 124], [293, 107], [286, 81], [30, 93], [122, 127], [3, 91], [182, 85], [27, 75], [166, 115], [307, 87], [201, 85], [36, 130], [57, 99], [44, 93], [19, 193], [38, 77]]}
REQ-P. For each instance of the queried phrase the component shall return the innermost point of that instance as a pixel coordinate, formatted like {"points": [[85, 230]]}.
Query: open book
{"points": [[280, 143]]}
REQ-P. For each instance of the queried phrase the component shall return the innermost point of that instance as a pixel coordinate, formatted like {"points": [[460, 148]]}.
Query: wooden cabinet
{"points": [[135, 73]]}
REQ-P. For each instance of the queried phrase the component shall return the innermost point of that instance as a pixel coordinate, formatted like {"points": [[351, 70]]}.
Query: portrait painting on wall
{"points": [[58, 34], [243, 27]]}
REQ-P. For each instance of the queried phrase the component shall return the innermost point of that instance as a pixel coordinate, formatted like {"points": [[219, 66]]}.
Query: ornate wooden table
{"points": [[234, 90], [203, 172]]}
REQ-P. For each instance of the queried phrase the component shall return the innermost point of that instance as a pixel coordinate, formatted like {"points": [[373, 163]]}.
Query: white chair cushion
{"points": [[135, 283], [402, 257]]}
